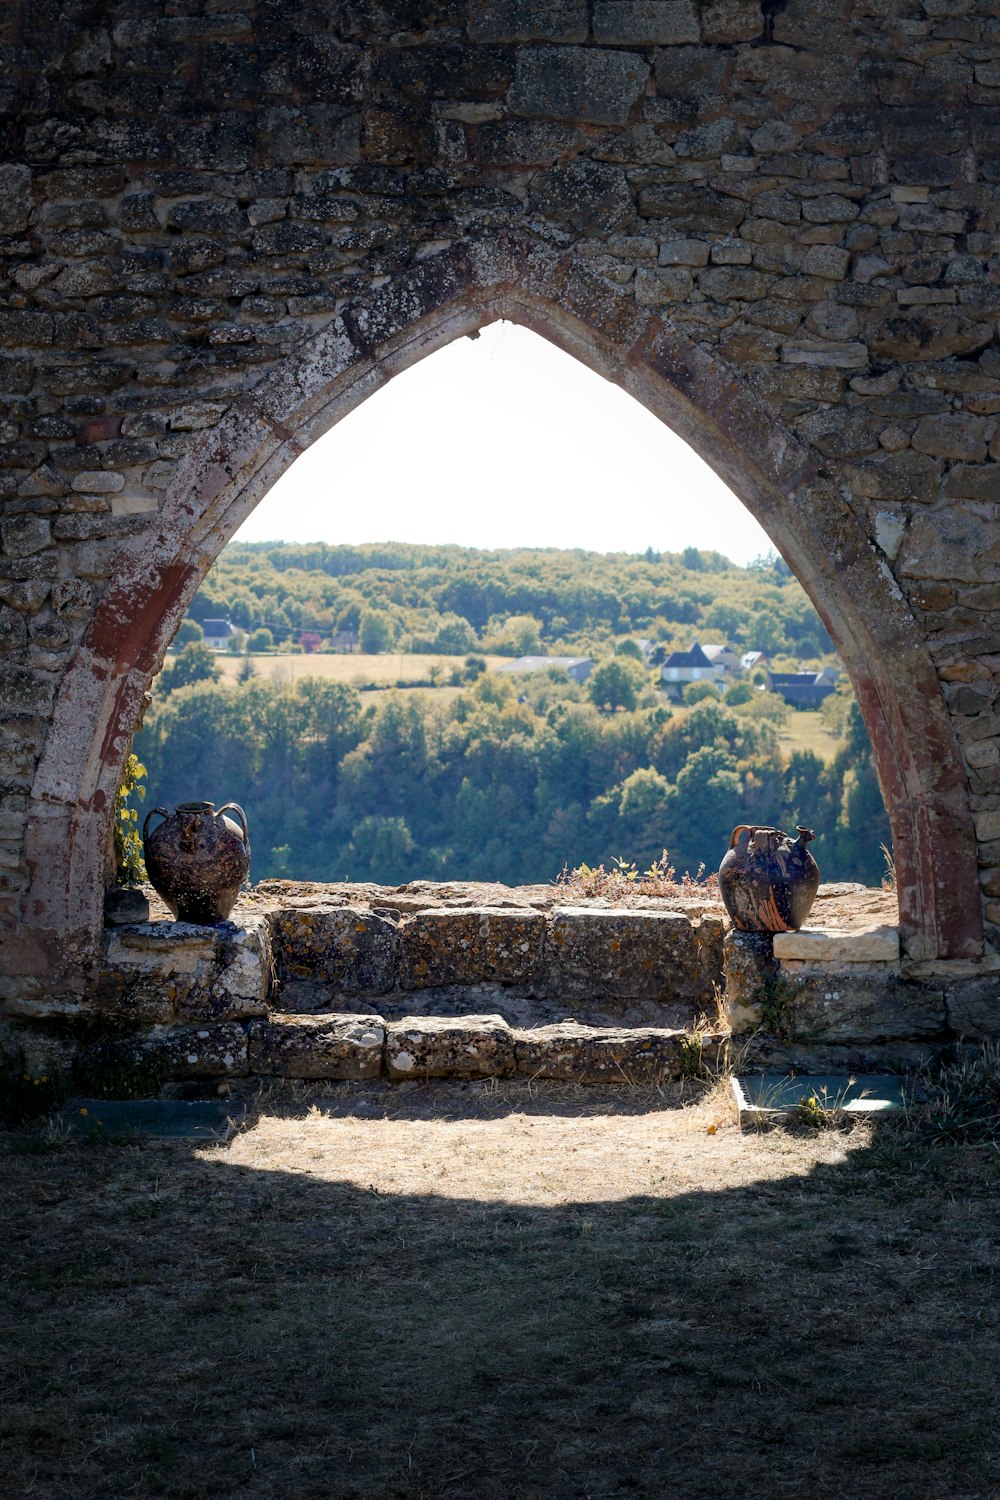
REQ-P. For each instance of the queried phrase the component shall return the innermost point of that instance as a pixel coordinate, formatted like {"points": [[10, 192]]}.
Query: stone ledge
{"points": [[855, 1006], [449, 1047], [325, 1046], [176, 1054], [598, 1054], [158, 972], [628, 953], [835, 946], [350, 948], [472, 945]]}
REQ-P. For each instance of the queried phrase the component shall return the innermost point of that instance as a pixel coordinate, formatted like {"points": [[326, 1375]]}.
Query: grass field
{"points": [[387, 669], [805, 730], [499, 1292]]}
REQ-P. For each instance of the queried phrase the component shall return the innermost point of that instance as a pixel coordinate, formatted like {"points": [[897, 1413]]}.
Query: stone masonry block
{"points": [[644, 23], [724, 21], [872, 1005], [577, 84], [974, 1006], [470, 945], [449, 1047], [626, 954], [160, 971], [327, 1046], [599, 1054], [528, 20], [174, 1053], [348, 948], [839, 946]]}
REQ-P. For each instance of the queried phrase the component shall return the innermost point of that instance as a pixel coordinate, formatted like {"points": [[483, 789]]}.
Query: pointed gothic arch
{"points": [[373, 337]]}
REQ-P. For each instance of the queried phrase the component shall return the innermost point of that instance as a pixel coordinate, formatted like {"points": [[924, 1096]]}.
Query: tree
{"points": [[629, 647], [376, 632], [519, 635], [260, 640], [698, 692], [381, 848], [194, 663], [188, 630], [309, 641], [455, 637], [616, 684]]}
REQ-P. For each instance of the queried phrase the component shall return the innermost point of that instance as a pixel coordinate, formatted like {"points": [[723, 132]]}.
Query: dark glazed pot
{"points": [[768, 880], [197, 859]]}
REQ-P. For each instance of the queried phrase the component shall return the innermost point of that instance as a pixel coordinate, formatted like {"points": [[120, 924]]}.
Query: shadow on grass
{"points": [[178, 1324]]}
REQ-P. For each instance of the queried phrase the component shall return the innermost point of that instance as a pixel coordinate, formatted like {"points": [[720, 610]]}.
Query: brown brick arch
{"points": [[222, 477]]}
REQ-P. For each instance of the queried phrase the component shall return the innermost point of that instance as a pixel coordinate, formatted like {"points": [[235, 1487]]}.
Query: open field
{"points": [[387, 669], [499, 1292], [805, 730]]}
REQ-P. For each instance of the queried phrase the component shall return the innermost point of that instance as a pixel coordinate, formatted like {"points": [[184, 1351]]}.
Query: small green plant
{"points": [[822, 1110], [130, 867], [691, 1054], [775, 1000], [813, 1110]]}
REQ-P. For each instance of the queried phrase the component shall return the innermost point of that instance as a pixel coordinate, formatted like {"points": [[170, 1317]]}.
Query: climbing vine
{"points": [[130, 867]]}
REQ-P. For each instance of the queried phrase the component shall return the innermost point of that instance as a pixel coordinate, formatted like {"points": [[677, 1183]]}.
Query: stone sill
{"points": [[834, 947]]}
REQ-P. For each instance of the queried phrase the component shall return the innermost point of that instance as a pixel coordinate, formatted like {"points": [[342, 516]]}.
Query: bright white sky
{"points": [[505, 441]]}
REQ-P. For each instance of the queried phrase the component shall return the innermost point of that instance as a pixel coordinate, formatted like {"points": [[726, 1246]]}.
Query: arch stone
{"points": [[761, 234]]}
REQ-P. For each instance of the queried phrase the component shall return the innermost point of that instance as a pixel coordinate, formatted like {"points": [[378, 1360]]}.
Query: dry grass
{"points": [[805, 729], [499, 1291], [385, 669]]}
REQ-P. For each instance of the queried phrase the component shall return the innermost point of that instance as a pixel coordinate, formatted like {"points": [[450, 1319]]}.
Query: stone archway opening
{"points": [[499, 442], [450, 294]]}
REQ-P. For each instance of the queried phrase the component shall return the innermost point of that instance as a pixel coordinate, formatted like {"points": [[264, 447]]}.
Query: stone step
{"points": [[352, 1046], [518, 1009]]}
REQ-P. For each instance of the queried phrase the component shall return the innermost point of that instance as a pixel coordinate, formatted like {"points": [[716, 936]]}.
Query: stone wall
{"points": [[352, 981], [222, 228], [465, 980]]}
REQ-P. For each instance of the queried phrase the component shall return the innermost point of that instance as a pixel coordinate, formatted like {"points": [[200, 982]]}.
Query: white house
{"points": [[218, 633], [682, 667], [724, 657]]}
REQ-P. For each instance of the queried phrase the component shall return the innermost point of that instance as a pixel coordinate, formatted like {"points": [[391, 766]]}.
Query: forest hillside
{"points": [[478, 773]]}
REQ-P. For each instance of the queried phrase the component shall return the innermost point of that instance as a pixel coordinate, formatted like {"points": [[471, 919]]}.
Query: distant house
{"points": [[344, 641], [803, 689], [682, 667], [578, 667], [218, 633], [753, 661], [725, 657]]}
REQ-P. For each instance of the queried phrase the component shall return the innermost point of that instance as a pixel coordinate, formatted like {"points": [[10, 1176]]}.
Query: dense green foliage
{"points": [[502, 782], [511, 778], [454, 600]]}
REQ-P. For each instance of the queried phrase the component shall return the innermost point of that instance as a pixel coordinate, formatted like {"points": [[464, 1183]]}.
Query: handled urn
{"points": [[197, 859], [768, 880]]}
